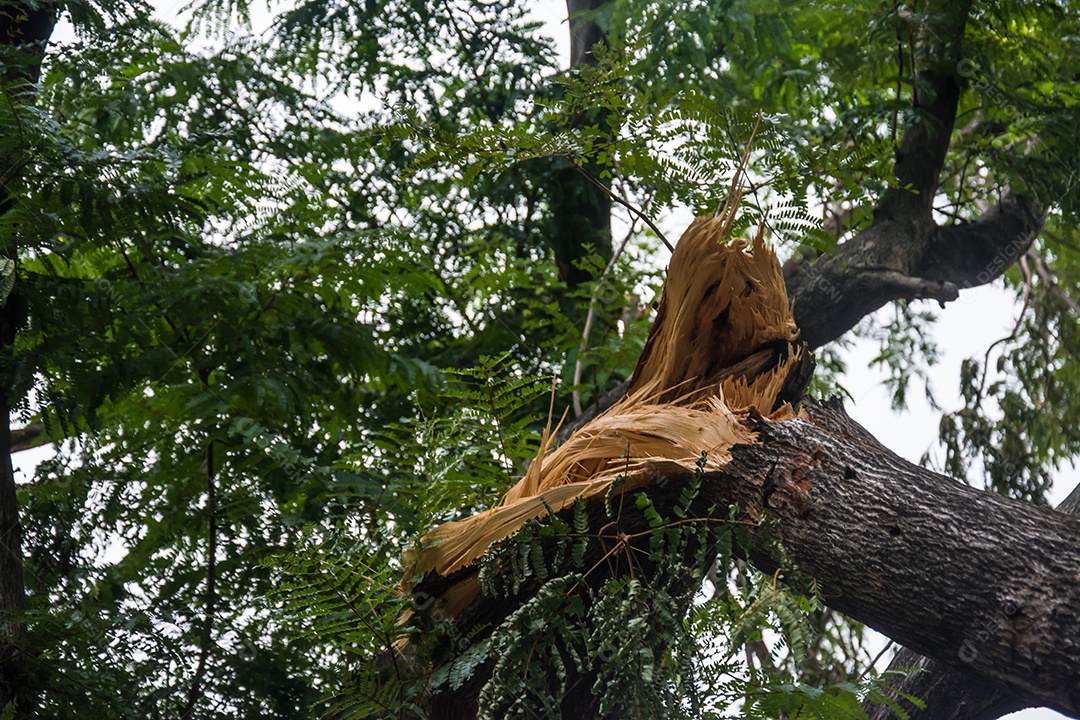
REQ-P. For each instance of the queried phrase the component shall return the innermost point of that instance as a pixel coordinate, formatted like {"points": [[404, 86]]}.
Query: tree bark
{"points": [[952, 693], [984, 584]]}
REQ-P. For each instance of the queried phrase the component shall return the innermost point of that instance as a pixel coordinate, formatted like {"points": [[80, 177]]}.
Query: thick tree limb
{"points": [[982, 583], [975, 580], [907, 260], [989, 582], [904, 254], [951, 693]]}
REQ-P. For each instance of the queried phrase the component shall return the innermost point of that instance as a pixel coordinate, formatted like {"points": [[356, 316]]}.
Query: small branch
{"points": [[1046, 276], [195, 691], [906, 287], [1008, 338], [877, 657], [24, 438], [621, 201], [591, 315]]}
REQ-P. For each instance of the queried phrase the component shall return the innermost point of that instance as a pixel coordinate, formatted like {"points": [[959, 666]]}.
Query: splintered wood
{"points": [[724, 347]]}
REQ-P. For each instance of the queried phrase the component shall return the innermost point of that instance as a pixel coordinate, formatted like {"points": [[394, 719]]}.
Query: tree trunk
{"points": [[580, 210], [13, 667], [952, 693], [975, 580]]}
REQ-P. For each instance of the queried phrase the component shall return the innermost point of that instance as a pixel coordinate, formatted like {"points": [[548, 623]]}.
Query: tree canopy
{"points": [[285, 300]]}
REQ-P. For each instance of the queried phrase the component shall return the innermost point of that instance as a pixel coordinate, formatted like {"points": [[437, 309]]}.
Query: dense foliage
{"points": [[286, 299]]}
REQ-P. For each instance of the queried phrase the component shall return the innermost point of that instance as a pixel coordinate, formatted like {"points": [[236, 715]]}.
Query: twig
{"points": [[1044, 273], [195, 691], [622, 201], [726, 212], [874, 662], [1060, 241], [1007, 338]]}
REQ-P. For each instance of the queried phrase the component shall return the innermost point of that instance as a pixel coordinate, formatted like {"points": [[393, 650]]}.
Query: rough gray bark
{"points": [[984, 584], [951, 693]]}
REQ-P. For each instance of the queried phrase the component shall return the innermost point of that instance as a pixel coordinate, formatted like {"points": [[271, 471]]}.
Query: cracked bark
{"points": [[953, 693]]}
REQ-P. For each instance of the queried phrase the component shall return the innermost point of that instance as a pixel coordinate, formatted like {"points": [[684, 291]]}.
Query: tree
{"points": [[904, 254], [233, 305]]}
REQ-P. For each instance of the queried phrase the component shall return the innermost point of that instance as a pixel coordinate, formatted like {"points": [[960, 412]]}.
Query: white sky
{"points": [[965, 329]]}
